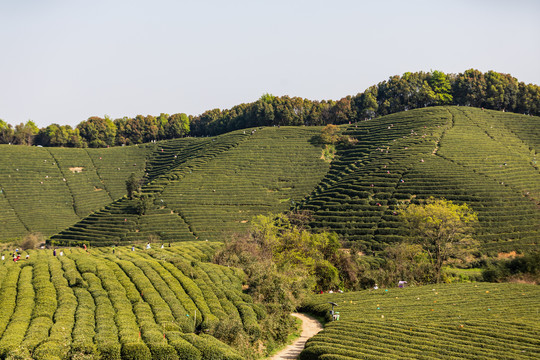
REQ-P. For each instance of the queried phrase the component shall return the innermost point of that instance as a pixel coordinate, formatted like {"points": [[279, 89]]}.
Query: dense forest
{"points": [[491, 90]]}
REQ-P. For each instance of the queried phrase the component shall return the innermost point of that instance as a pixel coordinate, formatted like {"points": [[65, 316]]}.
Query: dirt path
{"points": [[310, 327]]}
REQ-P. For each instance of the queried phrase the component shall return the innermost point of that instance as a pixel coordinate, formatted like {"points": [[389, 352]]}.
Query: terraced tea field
{"points": [[142, 304], [484, 158], [48, 189], [447, 321], [210, 188]]}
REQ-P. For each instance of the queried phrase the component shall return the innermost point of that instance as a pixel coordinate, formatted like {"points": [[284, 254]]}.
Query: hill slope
{"points": [[144, 304], [210, 188], [484, 158], [47, 189], [444, 321]]}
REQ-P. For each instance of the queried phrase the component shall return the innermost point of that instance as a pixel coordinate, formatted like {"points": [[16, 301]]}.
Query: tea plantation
{"points": [[446, 321], [141, 304], [210, 188], [486, 159], [48, 189]]}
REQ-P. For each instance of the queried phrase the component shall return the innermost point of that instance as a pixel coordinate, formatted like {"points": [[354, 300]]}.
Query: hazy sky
{"points": [[64, 61]]}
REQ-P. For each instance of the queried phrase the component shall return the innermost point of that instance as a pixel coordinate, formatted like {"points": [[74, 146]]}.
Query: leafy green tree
{"points": [[408, 262], [144, 203], [330, 134], [267, 98], [177, 126], [442, 228], [469, 88], [6, 132], [132, 185], [369, 103], [98, 132], [441, 87], [24, 134], [58, 135]]}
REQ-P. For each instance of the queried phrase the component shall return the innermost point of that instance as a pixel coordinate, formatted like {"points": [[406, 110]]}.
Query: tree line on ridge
{"points": [[491, 90]]}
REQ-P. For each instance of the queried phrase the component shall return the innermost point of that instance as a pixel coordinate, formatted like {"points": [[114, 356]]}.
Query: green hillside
{"points": [[48, 189], [458, 321], [142, 304], [484, 158], [210, 188]]}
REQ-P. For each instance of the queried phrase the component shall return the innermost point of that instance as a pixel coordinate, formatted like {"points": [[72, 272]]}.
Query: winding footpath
{"points": [[310, 327]]}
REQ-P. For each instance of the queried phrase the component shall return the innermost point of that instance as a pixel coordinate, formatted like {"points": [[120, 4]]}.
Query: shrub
{"points": [[183, 347], [31, 240], [135, 351], [162, 351]]}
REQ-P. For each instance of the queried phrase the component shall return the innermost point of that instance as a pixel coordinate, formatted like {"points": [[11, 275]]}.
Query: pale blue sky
{"points": [[64, 61]]}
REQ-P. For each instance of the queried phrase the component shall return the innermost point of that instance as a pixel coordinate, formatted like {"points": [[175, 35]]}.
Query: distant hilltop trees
{"points": [[491, 90]]}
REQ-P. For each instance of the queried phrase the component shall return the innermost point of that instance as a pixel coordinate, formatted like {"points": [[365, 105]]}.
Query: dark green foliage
{"points": [[98, 132], [491, 90], [132, 185], [526, 267]]}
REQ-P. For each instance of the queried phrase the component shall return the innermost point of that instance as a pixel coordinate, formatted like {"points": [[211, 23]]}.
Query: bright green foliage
{"points": [[143, 304], [24, 133], [60, 135], [441, 88], [329, 134], [284, 261], [457, 321], [441, 227]]}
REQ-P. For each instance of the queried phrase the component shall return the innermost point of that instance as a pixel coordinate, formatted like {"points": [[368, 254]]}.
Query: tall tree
{"points": [[177, 126], [442, 228], [132, 185], [441, 87], [24, 133], [98, 132], [6, 132]]}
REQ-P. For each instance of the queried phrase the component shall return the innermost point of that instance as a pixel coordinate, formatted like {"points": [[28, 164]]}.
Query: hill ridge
{"points": [[209, 188]]}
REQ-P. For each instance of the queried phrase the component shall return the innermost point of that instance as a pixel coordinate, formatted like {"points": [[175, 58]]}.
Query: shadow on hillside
{"points": [[316, 140]]}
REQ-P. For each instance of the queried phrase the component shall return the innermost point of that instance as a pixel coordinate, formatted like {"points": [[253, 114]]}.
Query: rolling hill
{"points": [[209, 188], [484, 158], [443, 321], [48, 189], [122, 304]]}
